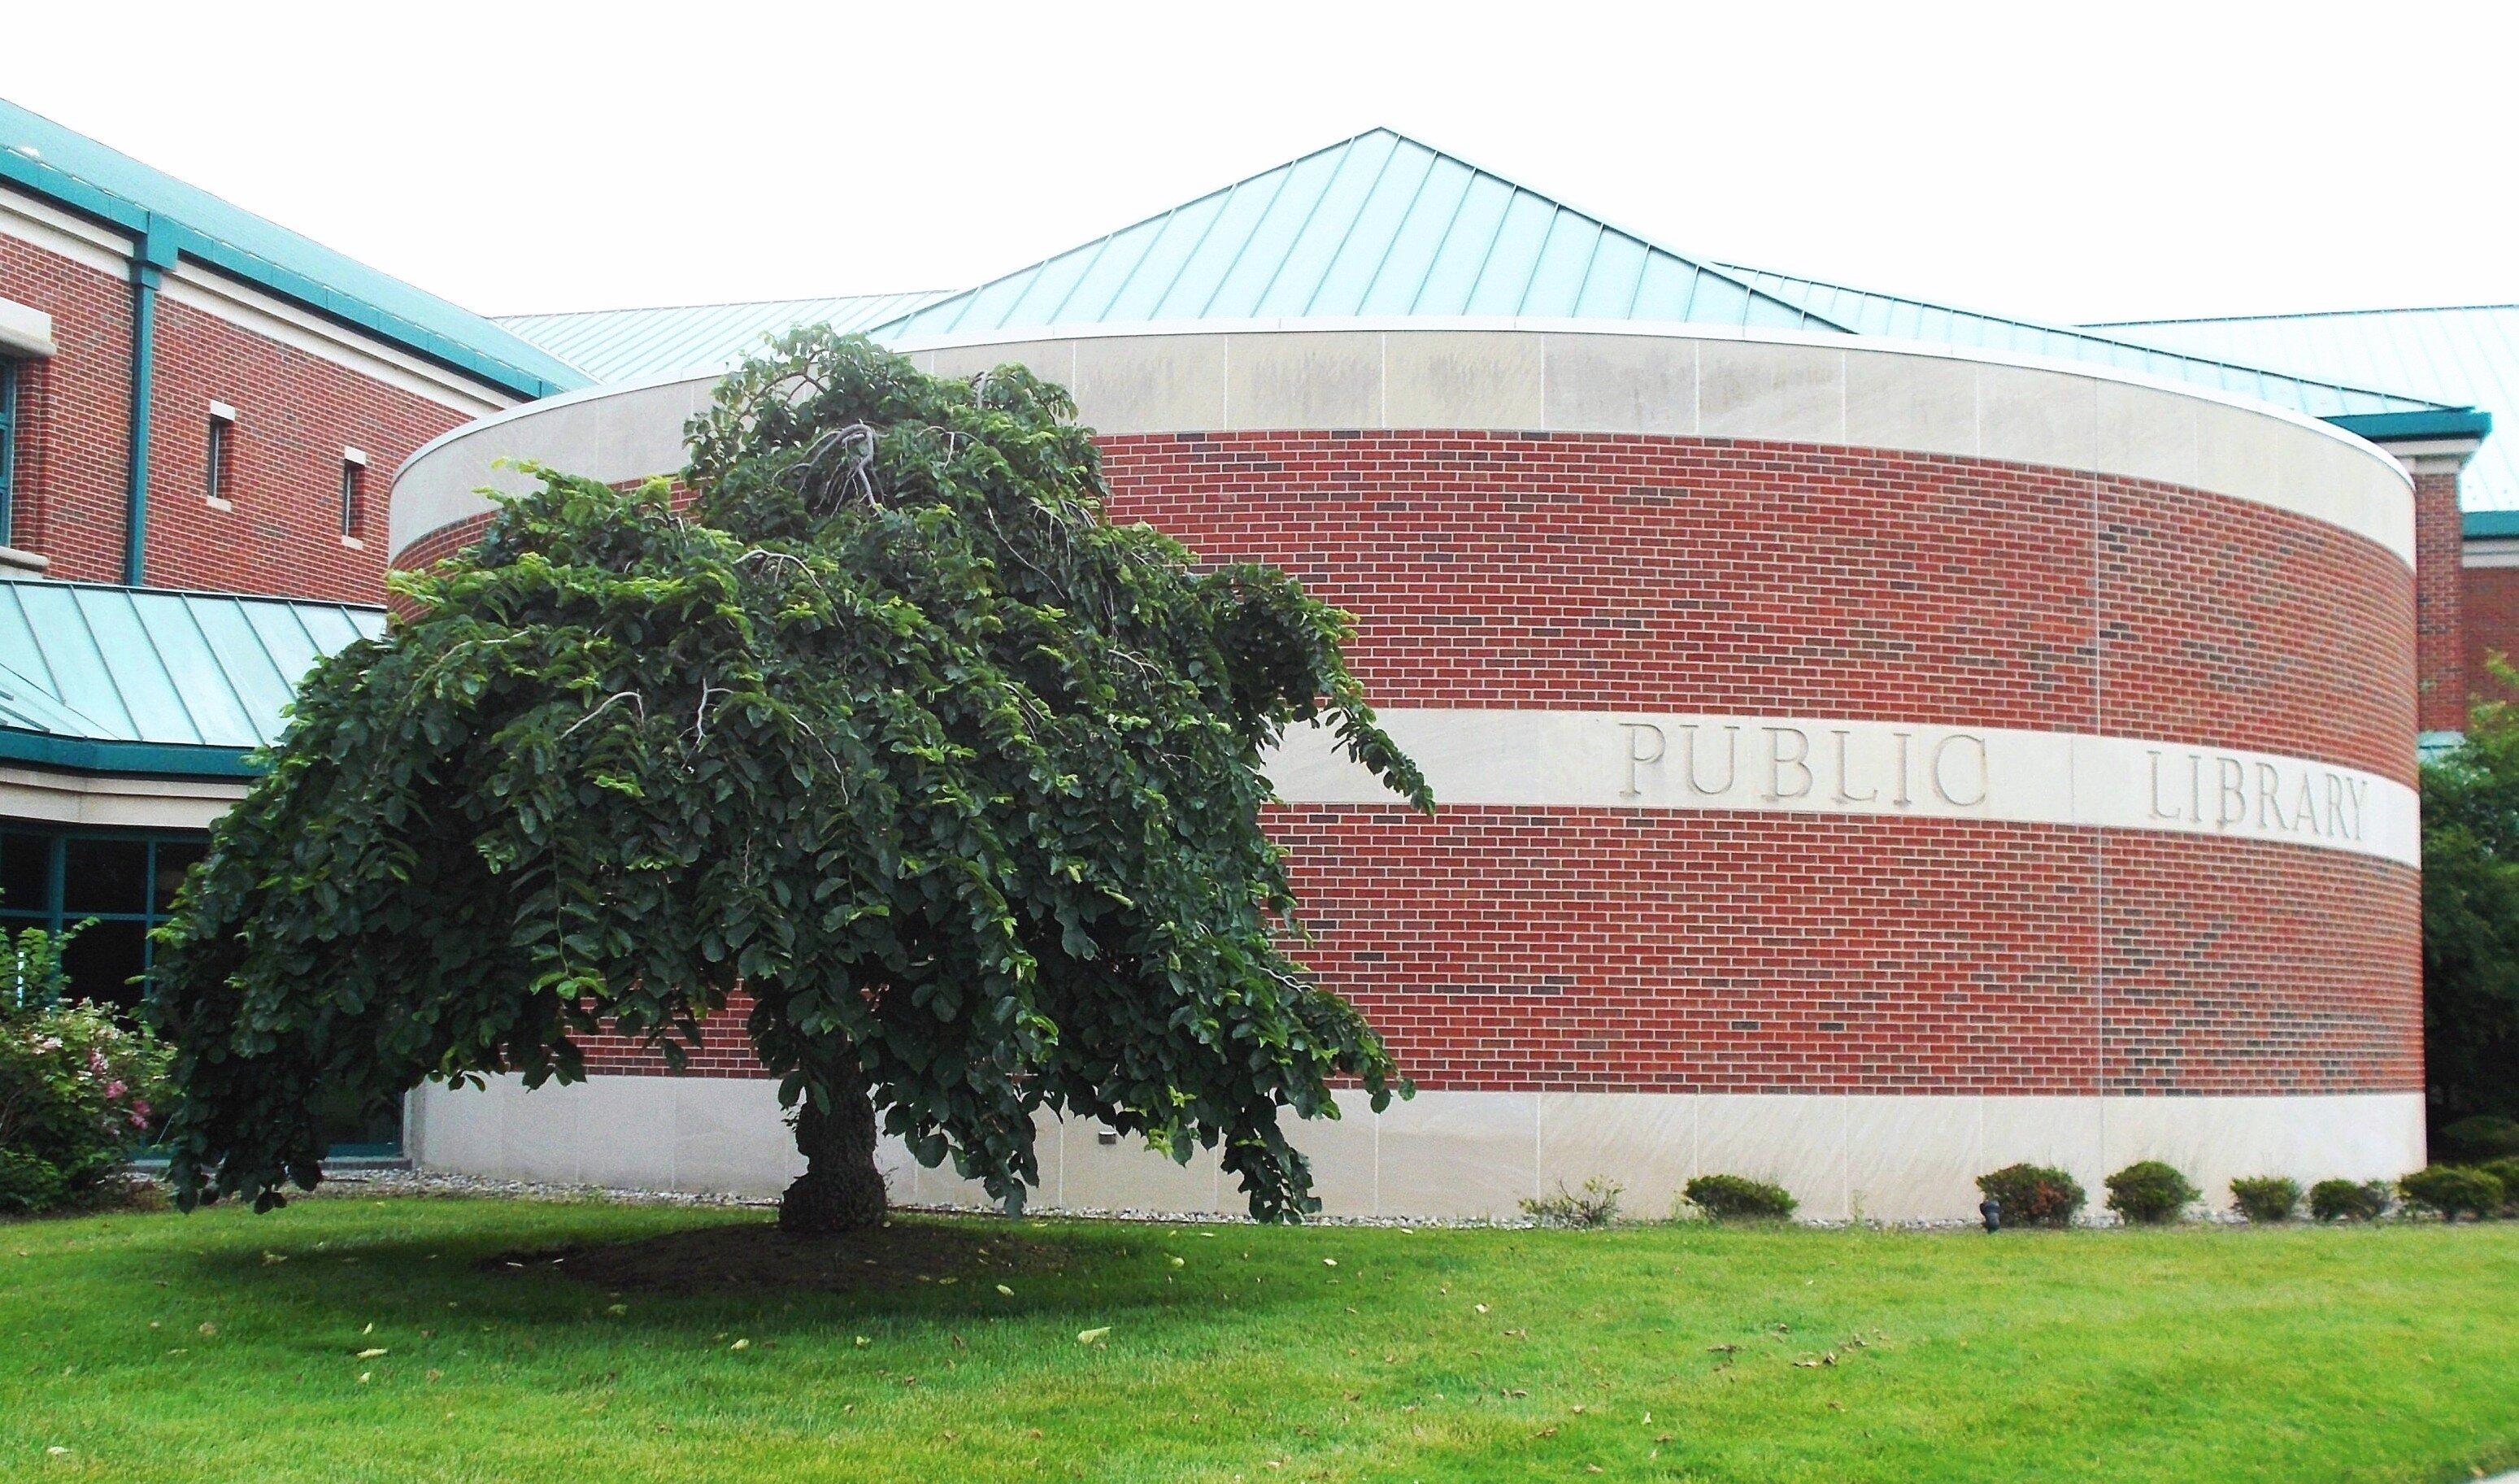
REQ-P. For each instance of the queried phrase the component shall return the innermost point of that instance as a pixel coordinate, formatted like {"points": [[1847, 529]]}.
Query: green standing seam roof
{"points": [[2310, 393], [2461, 354], [95, 181], [620, 345], [142, 681], [1374, 225]]}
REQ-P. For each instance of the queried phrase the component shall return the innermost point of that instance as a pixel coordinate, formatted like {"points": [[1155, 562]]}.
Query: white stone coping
{"points": [[1818, 765], [110, 801], [24, 330], [1609, 377], [1465, 1154]]}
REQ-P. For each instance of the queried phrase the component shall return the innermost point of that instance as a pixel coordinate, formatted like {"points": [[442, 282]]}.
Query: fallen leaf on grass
{"points": [[1092, 1336], [1008, 1293], [369, 1354], [740, 1346]]}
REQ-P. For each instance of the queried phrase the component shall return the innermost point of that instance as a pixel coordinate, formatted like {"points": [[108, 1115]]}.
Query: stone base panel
{"points": [[1464, 1154]]}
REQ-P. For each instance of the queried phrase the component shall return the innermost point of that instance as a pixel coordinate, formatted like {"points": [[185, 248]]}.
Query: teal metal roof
{"points": [[135, 680], [1371, 226], [2467, 355], [2311, 392], [75, 172], [618, 345], [2491, 524]]}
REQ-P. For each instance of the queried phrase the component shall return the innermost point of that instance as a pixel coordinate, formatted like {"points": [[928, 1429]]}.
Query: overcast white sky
{"points": [[2060, 161]]}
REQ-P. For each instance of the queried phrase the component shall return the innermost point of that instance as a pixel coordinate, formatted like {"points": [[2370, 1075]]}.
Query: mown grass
{"points": [[226, 1346]]}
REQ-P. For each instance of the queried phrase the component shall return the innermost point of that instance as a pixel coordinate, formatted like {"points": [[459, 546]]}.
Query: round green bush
{"points": [[2265, 1198], [2451, 1191], [2149, 1193], [2505, 1170], [2034, 1195], [1734, 1197], [2349, 1200]]}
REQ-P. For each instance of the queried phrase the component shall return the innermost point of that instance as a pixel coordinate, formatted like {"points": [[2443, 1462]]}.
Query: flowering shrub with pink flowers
{"points": [[79, 1091]]}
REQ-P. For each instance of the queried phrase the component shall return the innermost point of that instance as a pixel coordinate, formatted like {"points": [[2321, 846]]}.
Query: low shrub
{"points": [[2505, 1170], [2149, 1193], [1734, 1197], [2451, 1191], [2475, 1140], [2034, 1195], [1594, 1205], [77, 1094], [2349, 1200], [2265, 1198]]}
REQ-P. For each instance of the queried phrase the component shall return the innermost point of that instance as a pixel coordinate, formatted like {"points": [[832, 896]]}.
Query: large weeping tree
{"points": [[891, 739]]}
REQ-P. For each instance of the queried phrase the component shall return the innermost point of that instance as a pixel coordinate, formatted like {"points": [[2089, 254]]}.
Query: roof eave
{"points": [[2430, 422], [122, 758], [68, 191]]}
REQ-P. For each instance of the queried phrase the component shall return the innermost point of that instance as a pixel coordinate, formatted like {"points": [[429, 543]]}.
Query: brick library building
{"points": [[1877, 742]]}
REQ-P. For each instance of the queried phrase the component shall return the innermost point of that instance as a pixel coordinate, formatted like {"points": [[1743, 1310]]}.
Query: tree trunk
{"points": [[840, 1191]]}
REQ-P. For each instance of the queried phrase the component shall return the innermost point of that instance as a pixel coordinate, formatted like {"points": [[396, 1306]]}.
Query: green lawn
{"points": [[226, 1346]]}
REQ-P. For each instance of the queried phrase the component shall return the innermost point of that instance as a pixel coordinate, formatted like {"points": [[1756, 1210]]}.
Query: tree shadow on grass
{"points": [[918, 1269]]}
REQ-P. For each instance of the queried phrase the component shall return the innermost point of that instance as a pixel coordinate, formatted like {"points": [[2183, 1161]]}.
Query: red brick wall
{"points": [[2489, 606], [75, 411], [1709, 575], [2440, 581], [296, 411], [1543, 948]]}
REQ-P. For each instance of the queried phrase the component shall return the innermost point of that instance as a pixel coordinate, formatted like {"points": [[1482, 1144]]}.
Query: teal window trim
{"points": [[8, 451], [53, 917]]}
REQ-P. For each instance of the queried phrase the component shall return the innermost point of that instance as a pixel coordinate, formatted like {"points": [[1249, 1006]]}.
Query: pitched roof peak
{"points": [[1374, 224]]}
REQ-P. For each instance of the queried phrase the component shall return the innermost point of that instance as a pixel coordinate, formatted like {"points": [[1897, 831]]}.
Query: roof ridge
{"points": [[1718, 267], [799, 299], [325, 278], [1288, 167], [2088, 331], [2302, 314]]}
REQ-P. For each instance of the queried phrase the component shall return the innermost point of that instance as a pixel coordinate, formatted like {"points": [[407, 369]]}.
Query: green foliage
{"points": [[2149, 1193], [2451, 1191], [2349, 1200], [2486, 1136], [1594, 1205], [2506, 1171], [2265, 1198], [77, 1091], [959, 781], [1735, 1197], [33, 975], [2471, 802], [2034, 1195]]}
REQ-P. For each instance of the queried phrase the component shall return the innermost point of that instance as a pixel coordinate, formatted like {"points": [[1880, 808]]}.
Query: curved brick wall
{"points": [[2249, 655]]}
